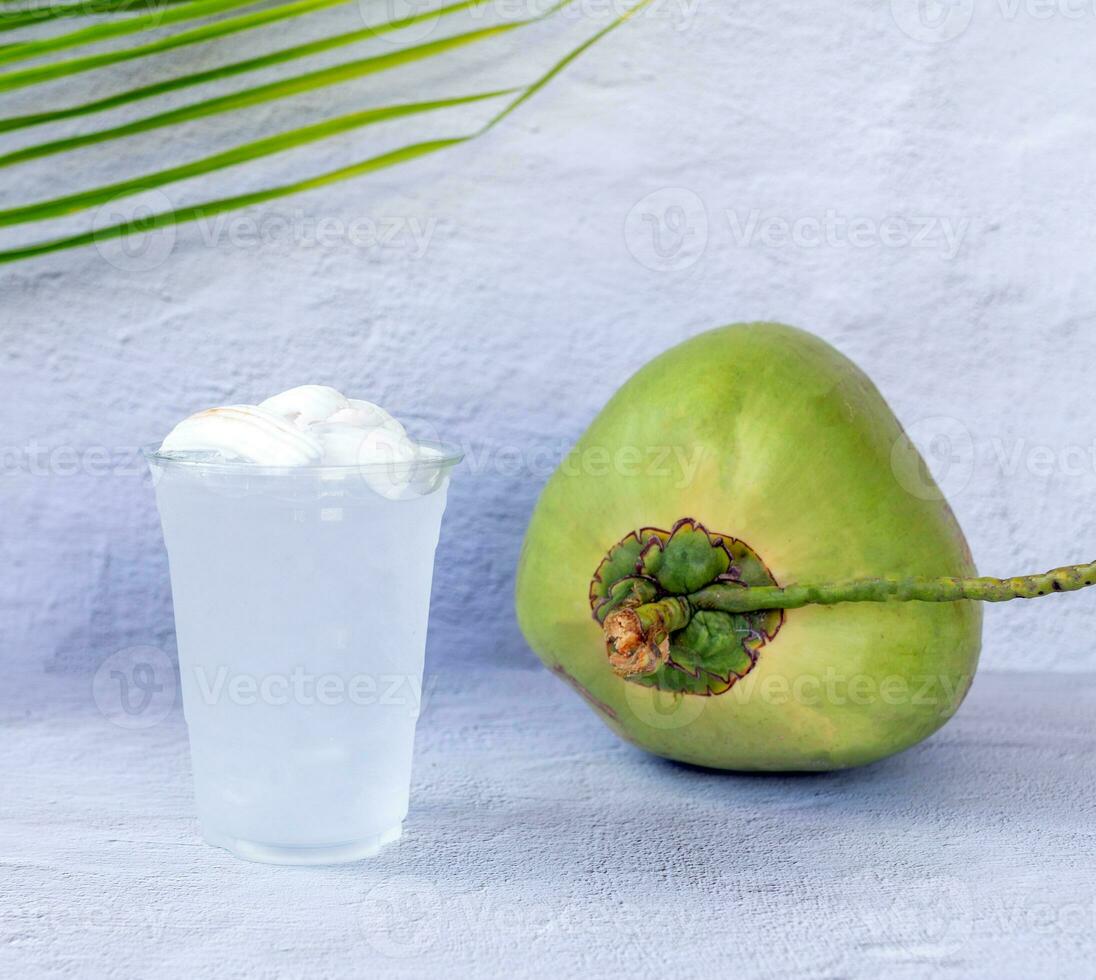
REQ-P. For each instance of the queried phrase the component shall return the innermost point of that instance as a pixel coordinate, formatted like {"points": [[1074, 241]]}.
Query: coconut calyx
{"points": [[641, 595], [689, 610]]}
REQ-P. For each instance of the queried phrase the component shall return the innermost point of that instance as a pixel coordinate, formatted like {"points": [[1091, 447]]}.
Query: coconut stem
{"points": [[637, 638], [734, 599]]}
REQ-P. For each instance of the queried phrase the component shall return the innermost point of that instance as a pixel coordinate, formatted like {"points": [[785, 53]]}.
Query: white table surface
{"points": [[540, 845]]}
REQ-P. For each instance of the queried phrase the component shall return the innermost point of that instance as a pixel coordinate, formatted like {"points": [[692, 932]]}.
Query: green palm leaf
{"points": [[261, 94], [24, 18], [75, 201], [71, 203], [210, 32], [200, 78], [159, 17]]}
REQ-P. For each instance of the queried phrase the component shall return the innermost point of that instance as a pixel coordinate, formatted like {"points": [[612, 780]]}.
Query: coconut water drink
{"points": [[301, 574]]}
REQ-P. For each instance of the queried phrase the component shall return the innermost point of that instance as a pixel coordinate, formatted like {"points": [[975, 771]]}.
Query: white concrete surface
{"points": [[920, 199], [538, 845]]}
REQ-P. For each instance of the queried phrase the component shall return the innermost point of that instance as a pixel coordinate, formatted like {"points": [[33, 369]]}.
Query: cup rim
{"points": [[449, 456]]}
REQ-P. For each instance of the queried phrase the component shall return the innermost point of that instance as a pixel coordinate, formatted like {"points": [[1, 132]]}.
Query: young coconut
{"points": [[732, 571]]}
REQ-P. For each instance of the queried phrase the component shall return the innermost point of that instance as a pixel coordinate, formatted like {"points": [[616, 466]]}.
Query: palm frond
{"points": [[201, 78], [259, 95], [11, 21], [73, 202], [159, 17], [210, 32]]}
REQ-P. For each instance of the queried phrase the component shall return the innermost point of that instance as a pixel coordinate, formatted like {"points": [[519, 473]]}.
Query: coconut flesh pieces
{"points": [[310, 425]]}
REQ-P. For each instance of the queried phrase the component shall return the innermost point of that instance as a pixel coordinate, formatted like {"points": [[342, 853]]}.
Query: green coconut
{"points": [[744, 564]]}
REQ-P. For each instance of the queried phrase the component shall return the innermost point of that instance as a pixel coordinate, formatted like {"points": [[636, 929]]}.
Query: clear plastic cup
{"points": [[301, 600]]}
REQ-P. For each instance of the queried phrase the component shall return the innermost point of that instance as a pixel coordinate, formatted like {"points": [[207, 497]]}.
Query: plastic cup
{"points": [[301, 601]]}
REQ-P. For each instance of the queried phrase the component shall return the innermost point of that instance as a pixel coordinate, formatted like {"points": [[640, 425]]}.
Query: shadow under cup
{"points": [[301, 601]]}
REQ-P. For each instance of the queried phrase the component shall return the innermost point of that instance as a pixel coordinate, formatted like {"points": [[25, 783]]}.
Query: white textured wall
{"points": [[540, 289]]}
